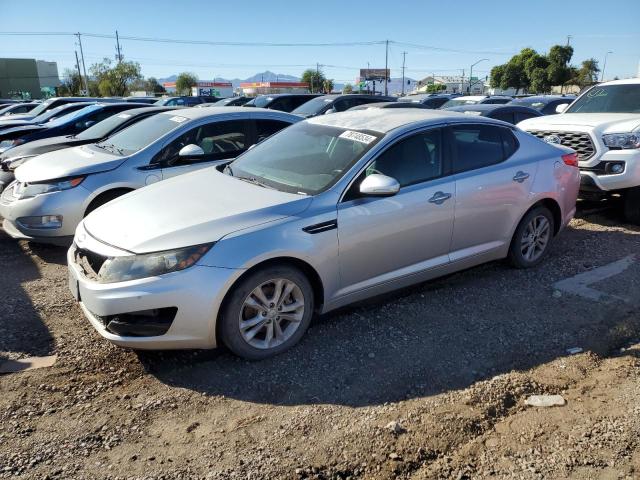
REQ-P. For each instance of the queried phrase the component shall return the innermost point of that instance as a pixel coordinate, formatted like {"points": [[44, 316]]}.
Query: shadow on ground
{"points": [[431, 338], [22, 331]]}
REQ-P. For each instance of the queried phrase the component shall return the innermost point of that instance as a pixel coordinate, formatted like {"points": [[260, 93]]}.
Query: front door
{"points": [[382, 239]]}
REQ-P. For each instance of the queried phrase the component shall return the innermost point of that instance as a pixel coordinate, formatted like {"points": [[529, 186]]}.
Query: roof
{"points": [[384, 120], [276, 95], [490, 107], [195, 113], [626, 81]]}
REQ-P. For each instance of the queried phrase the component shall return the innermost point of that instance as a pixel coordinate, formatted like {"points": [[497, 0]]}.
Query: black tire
{"points": [[103, 198], [632, 205], [231, 311], [516, 255]]}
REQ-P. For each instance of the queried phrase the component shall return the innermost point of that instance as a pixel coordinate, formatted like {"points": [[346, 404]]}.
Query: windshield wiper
{"points": [[110, 147], [255, 181]]}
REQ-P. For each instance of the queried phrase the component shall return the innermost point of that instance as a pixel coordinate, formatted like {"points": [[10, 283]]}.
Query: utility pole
{"points": [[317, 75], [84, 68], [604, 65], [462, 82], [79, 73], [569, 37], [404, 58], [386, 71], [118, 51]]}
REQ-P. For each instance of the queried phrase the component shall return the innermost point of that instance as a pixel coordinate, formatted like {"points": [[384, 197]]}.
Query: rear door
{"points": [[221, 141], [492, 187]]}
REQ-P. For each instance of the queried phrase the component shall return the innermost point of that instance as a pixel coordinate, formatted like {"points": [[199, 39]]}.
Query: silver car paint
{"points": [[108, 171], [365, 255]]}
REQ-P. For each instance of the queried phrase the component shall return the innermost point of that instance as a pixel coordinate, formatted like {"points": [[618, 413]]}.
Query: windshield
{"points": [[142, 133], [69, 117], [608, 99], [313, 106], [262, 101], [457, 102], [49, 114], [105, 127], [305, 158], [40, 108]]}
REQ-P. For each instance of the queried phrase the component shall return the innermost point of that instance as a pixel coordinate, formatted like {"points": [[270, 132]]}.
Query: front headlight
{"points": [[622, 140], [133, 267], [29, 190]]}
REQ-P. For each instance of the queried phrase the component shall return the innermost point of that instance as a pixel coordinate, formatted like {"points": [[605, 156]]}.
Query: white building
{"points": [[453, 84]]}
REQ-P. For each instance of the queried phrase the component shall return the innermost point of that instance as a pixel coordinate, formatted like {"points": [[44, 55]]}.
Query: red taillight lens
{"points": [[570, 159]]}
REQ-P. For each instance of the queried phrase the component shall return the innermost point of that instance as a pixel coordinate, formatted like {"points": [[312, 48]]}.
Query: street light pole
{"points": [[471, 71], [604, 65]]}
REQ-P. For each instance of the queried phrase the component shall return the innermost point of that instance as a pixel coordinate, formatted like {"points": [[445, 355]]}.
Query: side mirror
{"points": [[89, 123], [562, 107], [191, 150], [331, 110], [379, 185]]}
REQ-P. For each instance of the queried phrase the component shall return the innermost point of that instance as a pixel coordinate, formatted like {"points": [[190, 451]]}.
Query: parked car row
{"points": [[192, 227]]}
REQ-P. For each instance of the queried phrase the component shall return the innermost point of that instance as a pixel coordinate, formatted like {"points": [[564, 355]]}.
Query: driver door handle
{"points": [[439, 198], [520, 176]]}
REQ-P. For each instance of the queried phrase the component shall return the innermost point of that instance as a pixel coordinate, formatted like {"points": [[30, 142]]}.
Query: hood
{"points": [[620, 122], [41, 146], [191, 209], [5, 126], [68, 162]]}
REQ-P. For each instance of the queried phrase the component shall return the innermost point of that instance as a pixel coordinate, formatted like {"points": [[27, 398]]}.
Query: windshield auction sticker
{"points": [[177, 119], [358, 137]]}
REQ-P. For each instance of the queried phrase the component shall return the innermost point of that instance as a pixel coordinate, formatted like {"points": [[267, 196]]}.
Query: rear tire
{"points": [[267, 312], [532, 238], [632, 205]]}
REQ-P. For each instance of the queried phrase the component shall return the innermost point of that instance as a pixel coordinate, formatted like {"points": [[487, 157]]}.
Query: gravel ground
{"points": [[426, 383]]}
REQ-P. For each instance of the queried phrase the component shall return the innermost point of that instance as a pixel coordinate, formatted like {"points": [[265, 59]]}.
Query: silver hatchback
{"points": [[327, 212], [55, 190]]}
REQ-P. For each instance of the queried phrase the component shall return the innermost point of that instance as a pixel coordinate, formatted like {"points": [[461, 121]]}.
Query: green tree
{"points": [[587, 74], [315, 79], [153, 86], [115, 80], [559, 71], [435, 87], [185, 82], [495, 78], [327, 85], [348, 88], [71, 83]]}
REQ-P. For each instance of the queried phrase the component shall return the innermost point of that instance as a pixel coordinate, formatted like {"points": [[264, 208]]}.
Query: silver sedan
{"points": [[327, 212], [55, 190]]}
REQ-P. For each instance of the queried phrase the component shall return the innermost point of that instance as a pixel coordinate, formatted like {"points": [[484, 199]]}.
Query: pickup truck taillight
{"points": [[570, 159]]}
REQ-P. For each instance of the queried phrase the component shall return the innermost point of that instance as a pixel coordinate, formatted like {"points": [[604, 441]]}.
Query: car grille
{"points": [[89, 262], [581, 142]]}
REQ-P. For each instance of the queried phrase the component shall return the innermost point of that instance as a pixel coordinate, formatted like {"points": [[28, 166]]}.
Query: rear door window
{"points": [[477, 146], [504, 115]]}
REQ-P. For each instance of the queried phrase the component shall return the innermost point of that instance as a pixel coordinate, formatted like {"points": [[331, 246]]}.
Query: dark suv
{"points": [[545, 104], [285, 102], [337, 103], [429, 100]]}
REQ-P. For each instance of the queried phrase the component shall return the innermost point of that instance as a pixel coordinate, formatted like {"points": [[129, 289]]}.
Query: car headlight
{"points": [[29, 190], [133, 267], [622, 140], [10, 164]]}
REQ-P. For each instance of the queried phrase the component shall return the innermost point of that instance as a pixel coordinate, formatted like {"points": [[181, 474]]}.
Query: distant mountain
{"points": [[266, 76]]}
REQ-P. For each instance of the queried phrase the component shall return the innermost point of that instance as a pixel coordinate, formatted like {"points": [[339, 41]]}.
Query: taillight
{"points": [[570, 159]]}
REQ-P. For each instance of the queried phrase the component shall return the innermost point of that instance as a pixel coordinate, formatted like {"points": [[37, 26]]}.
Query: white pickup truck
{"points": [[603, 126]]}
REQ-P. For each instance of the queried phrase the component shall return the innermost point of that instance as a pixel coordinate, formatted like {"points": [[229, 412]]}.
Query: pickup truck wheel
{"points": [[632, 205]]}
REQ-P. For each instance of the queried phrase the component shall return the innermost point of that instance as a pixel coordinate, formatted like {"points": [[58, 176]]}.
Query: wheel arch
{"points": [[110, 193], [305, 267]]}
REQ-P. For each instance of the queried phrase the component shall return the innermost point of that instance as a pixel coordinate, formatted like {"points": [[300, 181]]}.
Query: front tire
{"points": [[532, 238], [267, 313], [632, 205]]}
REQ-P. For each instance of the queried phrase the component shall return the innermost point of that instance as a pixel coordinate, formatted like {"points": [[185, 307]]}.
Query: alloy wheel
{"points": [[271, 313], [535, 238]]}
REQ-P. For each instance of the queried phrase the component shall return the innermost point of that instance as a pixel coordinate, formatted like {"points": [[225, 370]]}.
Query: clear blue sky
{"points": [[495, 27]]}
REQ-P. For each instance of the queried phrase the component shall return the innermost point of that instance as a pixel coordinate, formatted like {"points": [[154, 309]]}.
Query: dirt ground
{"points": [[426, 383]]}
